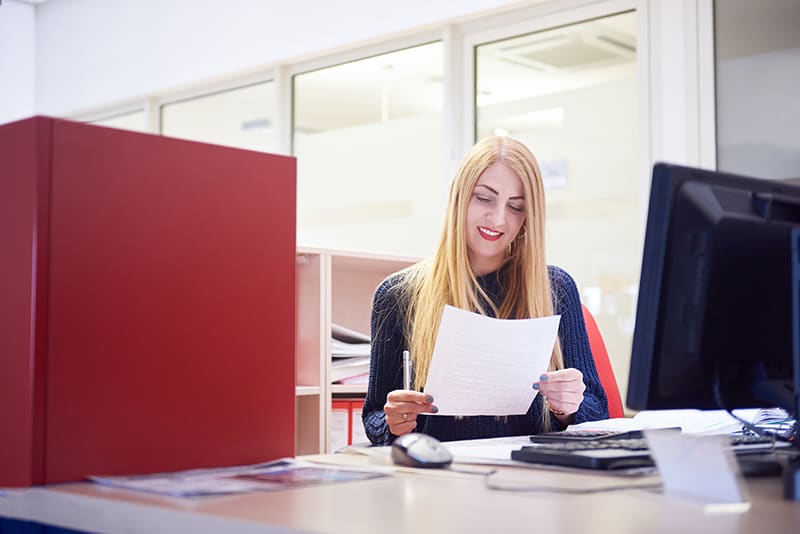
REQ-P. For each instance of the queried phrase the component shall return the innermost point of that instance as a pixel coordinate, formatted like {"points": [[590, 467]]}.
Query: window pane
{"points": [[127, 121], [570, 94], [757, 52], [243, 117], [368, 141]]}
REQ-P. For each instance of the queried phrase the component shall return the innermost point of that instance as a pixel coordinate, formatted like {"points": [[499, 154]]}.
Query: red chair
{"points": [[603, 365]]}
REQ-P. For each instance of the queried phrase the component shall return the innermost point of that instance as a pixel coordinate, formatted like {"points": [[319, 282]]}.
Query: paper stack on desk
{"points": [[350, 352], [700, 422]]}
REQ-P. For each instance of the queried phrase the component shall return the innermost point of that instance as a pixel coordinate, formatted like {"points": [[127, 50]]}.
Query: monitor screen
{"points": [[714, 313]]}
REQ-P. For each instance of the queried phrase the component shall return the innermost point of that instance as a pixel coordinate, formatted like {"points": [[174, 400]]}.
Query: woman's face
{"points": [[495, 215]]}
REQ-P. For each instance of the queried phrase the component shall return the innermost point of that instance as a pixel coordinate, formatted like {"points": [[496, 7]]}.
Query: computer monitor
{"points": [[715, 319]]}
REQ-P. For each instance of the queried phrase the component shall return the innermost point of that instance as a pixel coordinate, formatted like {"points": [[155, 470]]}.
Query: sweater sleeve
{"points": [[386, 369], [575, 346]]}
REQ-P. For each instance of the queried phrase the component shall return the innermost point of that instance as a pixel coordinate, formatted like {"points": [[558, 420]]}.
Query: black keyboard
{"points": [[616, 453], [584, 435], [625, 444], [634, 442]]}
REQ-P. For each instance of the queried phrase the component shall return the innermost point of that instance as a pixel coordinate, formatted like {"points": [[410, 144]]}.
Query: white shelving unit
{"points": [[332, 287]]}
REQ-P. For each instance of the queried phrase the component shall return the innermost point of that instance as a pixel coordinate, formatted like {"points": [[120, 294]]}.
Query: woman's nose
{"points": [[498, 216]]}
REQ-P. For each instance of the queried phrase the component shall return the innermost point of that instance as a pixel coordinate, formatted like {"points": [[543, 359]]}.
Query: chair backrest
{"points": [[603, 364]]}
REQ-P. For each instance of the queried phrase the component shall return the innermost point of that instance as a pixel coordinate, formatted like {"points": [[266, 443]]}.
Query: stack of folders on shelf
{"points": [[350, 354]]}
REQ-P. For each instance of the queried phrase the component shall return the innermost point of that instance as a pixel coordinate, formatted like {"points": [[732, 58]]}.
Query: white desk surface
{"points": [[409, 501]]}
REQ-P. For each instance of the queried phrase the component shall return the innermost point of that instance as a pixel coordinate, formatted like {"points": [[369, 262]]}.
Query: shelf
{"points": [[333, 286], [360, 389]]}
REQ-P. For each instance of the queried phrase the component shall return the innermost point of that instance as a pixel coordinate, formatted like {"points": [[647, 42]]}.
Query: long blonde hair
{"points": [[448, 278]]}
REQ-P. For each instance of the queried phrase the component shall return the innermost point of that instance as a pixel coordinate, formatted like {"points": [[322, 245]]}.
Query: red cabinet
{"points": [[146, 303]]}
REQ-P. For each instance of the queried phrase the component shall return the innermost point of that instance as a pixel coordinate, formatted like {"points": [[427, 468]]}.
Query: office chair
{"points": [[603, 364]]}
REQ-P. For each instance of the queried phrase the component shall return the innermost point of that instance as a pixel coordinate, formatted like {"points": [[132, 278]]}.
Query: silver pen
{"points": [[406, 370]]}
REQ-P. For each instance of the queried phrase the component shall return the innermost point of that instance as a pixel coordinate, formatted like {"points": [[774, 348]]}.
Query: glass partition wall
{"points": [[368, 140], [570, 93], [757, 56], [242, 117]]}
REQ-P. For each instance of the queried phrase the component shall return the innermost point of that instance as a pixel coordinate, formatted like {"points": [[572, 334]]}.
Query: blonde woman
{"points": [[490, 260]]}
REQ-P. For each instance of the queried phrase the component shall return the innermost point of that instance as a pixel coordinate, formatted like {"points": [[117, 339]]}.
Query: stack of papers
{"points": [[350, 370], [350, 352], [774, 420], [699, 422]]}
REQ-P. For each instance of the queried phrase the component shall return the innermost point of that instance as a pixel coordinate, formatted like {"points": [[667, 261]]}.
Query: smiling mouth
{"points": [[490, 235]]}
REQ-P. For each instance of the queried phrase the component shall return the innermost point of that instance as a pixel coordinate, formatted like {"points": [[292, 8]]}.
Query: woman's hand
{"points": [[402, 407], [563, 391]]}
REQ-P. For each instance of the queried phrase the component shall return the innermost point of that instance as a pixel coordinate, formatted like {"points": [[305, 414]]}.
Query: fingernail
{"points": [[543, 378], [428, 398], [536, 385], [434, 409]]}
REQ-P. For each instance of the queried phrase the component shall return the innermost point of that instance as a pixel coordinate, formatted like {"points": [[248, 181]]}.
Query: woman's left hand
{"points": [[562, 390]]}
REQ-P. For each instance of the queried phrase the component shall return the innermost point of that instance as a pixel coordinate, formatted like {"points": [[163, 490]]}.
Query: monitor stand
{"points": [[791, 481], [791, 475]]}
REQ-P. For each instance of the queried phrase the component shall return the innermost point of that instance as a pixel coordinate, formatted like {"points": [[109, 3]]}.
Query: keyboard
{"points": [[584, 435], [618, 453]]}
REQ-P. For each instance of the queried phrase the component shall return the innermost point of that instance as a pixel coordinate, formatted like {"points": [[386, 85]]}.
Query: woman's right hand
{"points": [[402, 408]]}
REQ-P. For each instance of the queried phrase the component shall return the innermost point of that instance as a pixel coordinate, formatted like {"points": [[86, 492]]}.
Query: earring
{"points": [[508, 250]]}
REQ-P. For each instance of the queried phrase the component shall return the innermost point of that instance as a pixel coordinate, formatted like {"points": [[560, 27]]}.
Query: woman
{"points": [[490, 260]]}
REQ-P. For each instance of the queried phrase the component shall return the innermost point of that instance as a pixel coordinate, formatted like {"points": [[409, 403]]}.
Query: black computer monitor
{"points": [[715, 319]]}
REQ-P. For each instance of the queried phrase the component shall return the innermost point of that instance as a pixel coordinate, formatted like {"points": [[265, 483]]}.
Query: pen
{"points": [[406, 370]]}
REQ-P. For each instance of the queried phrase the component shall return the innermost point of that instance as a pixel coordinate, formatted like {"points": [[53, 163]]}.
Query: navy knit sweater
{"points": [[386, 371]]}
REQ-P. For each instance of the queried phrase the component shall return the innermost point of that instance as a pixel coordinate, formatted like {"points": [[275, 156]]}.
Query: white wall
{"points": [[92, 52], [17, 61]]}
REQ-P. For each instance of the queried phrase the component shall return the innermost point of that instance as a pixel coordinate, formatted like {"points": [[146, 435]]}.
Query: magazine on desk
{"points": [[280, 474]]}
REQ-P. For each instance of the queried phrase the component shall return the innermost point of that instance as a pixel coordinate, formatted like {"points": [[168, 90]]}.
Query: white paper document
{"points": [[487, 366]]}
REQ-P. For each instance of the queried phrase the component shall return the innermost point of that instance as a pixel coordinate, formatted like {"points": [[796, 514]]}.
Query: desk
{"points": [[410, 501]]}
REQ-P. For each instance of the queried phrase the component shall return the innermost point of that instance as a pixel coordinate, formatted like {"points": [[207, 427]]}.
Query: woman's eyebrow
{"points": [[497, 193], [487, 187]]}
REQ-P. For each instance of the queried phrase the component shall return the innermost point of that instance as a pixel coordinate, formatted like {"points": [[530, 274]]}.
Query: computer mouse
{"points": [[420, 450]]}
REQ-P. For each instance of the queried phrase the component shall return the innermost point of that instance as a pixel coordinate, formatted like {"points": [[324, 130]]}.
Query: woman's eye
{"points": [[482, 198], [517, 209]]}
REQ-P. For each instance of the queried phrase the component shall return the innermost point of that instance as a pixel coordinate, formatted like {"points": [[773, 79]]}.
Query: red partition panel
{"points": [[24, 230], [170, 326]]}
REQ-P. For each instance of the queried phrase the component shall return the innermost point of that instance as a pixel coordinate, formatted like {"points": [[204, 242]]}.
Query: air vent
{"points": [[569, 55], [583, 48], [261, 123]]}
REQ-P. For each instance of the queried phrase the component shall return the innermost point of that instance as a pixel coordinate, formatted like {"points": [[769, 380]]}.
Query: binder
{"points": [[346, 427]]}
